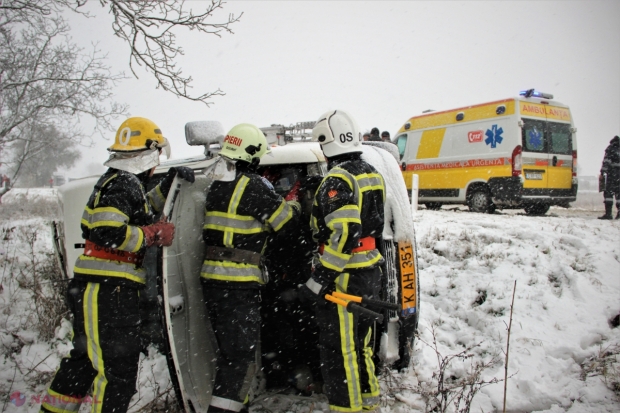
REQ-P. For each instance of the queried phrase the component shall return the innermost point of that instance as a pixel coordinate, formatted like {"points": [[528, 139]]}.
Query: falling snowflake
{"points": [[535, 139], [494, 136]]}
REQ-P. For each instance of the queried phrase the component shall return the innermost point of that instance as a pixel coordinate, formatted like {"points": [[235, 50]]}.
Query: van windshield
{"points": [[546, 137]]}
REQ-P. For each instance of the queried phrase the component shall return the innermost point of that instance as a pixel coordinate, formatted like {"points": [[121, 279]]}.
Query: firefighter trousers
{"points": [[235, 318], [346, 343], [106, 350]]}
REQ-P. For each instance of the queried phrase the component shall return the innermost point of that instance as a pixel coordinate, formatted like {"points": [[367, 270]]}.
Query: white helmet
{"points": [[338, 133]]}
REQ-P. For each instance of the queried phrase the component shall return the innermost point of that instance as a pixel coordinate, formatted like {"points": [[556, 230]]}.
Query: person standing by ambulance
{"points": [[610, 174], [118, 224], [240, 213], [347, 217]]}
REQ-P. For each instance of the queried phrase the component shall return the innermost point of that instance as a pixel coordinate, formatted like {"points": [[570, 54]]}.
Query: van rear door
{"points": [[535, 156], [560, 144]]}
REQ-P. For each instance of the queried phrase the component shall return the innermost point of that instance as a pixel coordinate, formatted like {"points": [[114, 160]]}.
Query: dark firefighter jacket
{"points": [[239, 215], [116, 209], [348, 206], [611, 166]]}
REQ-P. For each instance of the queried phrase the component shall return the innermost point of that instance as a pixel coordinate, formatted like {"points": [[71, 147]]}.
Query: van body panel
{"points": [[453, 149]]}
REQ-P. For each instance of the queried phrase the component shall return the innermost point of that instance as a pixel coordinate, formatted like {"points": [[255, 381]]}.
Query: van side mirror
{"points": [[204, 133]]}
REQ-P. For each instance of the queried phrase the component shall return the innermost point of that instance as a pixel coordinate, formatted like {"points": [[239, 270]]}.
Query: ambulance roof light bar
{"points": [[533, 93]]}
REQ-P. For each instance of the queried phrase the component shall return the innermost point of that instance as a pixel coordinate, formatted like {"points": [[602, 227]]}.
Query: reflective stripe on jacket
{"points": [[241, 214], [116, 209], [348, 206]]}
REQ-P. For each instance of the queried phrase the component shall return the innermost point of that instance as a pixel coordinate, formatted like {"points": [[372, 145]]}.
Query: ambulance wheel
{"points": [[479, 200], [434, 206], [537, 209]]}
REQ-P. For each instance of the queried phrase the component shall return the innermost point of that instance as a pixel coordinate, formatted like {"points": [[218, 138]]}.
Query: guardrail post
{"points": [[414, 193]]}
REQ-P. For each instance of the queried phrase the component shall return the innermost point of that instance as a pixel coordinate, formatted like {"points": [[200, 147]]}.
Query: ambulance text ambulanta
{"points": [[514, 153]]}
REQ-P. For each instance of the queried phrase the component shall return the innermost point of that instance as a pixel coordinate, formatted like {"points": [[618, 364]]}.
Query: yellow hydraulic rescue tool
{"points": [[352, 304]]}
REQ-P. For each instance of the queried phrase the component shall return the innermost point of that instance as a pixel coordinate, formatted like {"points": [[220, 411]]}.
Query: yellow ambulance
{"points": [[514, 153]]}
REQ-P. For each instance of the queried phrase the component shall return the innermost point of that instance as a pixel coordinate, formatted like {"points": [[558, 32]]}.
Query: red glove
{"points": [[160, 233], [293, 194]]}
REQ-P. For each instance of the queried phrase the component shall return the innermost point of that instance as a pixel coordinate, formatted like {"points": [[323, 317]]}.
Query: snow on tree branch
{"points": [[148, 28]]}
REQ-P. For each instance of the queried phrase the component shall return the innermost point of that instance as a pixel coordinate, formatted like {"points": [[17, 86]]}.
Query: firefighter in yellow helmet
{"points": [[347, 217], [241, 211], [118, 224]]}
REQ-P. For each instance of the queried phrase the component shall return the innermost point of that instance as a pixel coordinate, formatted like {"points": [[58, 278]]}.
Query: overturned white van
{"points": [[174, 316]]}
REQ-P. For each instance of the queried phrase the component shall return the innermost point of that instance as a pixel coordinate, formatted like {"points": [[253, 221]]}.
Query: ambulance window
{"points": [[560, 138], [533, 134], [401, 141]]}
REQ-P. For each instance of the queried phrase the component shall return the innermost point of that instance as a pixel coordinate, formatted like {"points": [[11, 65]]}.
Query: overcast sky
{"points": [[383, 61]]}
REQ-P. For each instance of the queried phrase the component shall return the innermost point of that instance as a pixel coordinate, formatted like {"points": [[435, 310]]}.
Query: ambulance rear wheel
{"points": [[537, 209], [434, 206], [479, 200]]}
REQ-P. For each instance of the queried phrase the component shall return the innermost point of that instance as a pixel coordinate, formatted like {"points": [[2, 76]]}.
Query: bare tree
{"points": [[40, 152], [45, 79], [148, 28]]}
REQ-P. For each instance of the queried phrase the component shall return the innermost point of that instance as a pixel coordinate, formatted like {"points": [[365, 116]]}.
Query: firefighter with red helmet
{"points": [[347, 218], [241, 210], [118, 224]]}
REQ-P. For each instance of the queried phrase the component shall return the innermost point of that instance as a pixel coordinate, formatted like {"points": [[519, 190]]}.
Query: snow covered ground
{"points": [[563, 350]]}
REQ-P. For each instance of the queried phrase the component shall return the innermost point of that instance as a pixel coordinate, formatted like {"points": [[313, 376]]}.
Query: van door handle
{"points": [[555, 161]]}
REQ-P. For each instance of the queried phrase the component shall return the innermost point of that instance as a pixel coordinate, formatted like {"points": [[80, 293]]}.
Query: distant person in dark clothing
{"points": [[366, 136], [610, 177], [385, 136], [374, 135]]}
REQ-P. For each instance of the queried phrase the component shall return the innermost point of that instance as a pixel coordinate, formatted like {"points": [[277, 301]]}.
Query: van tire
{"points": [[433, 206], [536, 209], [479, 200]]}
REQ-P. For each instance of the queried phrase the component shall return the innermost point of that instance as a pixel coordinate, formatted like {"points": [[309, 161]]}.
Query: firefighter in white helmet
{"points": [[347, 217], [118, 224], [240, 214]]}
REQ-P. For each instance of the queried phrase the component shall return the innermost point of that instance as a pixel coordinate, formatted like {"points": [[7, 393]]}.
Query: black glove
{"points": [[184, 172], [307, 296], [311, 182], [321, 283]]}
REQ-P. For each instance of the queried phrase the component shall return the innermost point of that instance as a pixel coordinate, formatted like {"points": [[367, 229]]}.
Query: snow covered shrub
{"points": [[606, 364], [20, 203], [458, 378], [41, 277]]}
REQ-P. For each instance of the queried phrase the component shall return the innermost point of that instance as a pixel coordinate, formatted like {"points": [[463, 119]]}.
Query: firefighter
{"points": [[240, 213], [347, 218], [610, 175], [118, 224]]}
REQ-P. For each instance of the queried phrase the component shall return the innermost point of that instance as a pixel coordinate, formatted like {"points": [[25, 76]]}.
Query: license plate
{"points": [[408, 282], [533, 176]]}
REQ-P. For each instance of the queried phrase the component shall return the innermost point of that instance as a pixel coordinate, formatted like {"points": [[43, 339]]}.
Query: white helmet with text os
{"points": [[338, 133]]}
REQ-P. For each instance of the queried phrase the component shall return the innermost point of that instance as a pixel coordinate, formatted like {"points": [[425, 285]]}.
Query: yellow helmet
{"points": [[135, 133], [244, 142]]}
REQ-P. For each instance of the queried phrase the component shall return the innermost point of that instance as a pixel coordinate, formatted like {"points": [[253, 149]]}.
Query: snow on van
{"points": [[519, 152]]}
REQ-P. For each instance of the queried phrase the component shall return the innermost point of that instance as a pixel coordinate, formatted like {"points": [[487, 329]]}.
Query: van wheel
{"points": [[537, 209], [479, 200], [434, 206]]}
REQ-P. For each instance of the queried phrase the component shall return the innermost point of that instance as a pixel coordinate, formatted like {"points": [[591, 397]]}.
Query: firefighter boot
{"points": [[608, 207]]}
